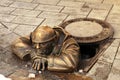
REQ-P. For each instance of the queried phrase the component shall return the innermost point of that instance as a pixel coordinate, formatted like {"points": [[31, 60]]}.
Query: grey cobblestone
{"points": [[24, 12], [6, 18], [49, 8], [6, 10], [24, 30], [4, 31], [116, 28], [71, 3], [23, 5], [27, 20], [53, 15], [52, 2]]}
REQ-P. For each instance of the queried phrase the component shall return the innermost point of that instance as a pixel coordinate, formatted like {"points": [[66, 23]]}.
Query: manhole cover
{"points": [[93, 37], [87, 30]]}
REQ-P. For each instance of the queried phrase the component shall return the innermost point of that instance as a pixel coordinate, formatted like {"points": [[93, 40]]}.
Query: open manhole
{"points": [[93, 37]]}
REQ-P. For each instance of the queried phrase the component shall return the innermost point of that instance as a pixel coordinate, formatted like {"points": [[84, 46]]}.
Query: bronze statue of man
{"points": [[49, 49]]}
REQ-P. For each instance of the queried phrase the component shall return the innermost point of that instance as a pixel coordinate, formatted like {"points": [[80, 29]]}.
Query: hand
{"points": [[39, 63]]}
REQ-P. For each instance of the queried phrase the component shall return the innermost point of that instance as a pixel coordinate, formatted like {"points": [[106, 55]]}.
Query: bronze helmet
{"points": [[43, 34]]}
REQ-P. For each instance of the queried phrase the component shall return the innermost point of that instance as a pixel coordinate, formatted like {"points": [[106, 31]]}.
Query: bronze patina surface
{"points": [[88, 30], [48, 48]]}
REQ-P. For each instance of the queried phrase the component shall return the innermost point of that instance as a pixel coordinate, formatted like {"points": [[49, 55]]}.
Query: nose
{"points": [[37, 46]]}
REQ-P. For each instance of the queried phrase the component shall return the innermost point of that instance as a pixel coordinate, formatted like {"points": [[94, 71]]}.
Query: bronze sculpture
{"points": [[48, 48]]}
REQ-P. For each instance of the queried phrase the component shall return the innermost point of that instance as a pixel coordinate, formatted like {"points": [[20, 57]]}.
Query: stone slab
{"points": [[6, 10], [23, 5], [4, 31], [23, 0], [49, 8], [115, 72], [97, 1], [52, 2], [98, 14], [10, 26], [72, 10], [24, 30], [52, 15], [112, 1], [7, 39], [52, 22], [100, 70], [6, 18], [24, 12], [94, 5], [5, 2], [27, 20], [73, 16], [71, 3], [110, 52]]}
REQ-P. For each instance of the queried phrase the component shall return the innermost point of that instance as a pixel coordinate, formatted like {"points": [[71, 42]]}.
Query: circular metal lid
{"points": [[88, 30]]}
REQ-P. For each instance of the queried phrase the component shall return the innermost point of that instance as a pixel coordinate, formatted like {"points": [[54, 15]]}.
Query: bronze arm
{"points": [[68, 59]]}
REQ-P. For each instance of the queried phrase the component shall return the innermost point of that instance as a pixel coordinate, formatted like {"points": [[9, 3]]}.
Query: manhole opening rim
{"points": [[106, 33]]}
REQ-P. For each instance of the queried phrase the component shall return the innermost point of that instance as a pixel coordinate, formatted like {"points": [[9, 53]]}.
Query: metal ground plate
{"points": [[88, 30]]}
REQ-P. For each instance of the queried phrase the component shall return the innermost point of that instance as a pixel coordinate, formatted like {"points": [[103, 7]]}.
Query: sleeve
{"points": [[68, 59], [22, 47]]}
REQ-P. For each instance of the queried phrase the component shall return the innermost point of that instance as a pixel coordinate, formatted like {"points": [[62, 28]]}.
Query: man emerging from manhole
{"points": [[49, 49]]}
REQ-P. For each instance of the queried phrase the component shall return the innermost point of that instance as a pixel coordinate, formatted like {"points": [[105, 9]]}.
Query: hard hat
{"points": [[43, 34]]}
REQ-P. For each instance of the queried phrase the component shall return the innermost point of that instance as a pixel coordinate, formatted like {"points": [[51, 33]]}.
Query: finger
{"points": [[33, 64], [39, 64], [43, 65], [35, 67]]}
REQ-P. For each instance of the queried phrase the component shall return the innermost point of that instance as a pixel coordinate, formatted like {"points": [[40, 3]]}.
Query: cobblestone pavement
{"points": [[22, 16]]}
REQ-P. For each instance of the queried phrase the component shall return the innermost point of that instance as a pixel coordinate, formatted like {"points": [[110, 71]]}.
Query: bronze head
{"points": [[43, 38]]}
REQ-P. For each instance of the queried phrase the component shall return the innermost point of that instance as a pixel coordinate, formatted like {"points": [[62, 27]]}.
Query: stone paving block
{"points": [[24, 12], [75, 16], [52, 15], [6, 18], [5, 2], [71, 4], [23, 5], [115, 72], [72, 10], [116, 28], [113, 19], [53, 2], [23, 0], [100, 70], [98, 14], [49, 8], [27, 20], [6, 69], [4, 31], [118, 54], [110, 53], [112, 1], [7, 39], [52, 22], [24, 30], [98, 1], [10, 26], [6, 10], [98, 6], [1, 26]]}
